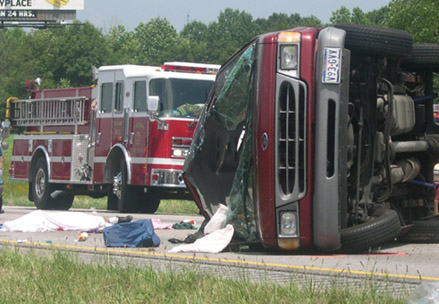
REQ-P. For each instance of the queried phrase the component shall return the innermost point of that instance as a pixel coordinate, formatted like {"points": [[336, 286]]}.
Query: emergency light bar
{"points": [[189, 67]]}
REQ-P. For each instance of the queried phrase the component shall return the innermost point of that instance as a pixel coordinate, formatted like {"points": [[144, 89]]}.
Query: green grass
{"points": [[15, 194], [59, 277]]}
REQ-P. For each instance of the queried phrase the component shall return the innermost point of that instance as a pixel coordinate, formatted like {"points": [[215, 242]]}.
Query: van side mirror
{"points": [[153, 104]]}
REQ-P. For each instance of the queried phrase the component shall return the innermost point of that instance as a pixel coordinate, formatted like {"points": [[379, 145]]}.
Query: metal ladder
{"points": [[48, 111]]}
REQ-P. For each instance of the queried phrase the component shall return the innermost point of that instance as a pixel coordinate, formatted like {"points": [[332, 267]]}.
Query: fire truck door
{"points": [[118, 109], [138, 132], [110, 116]]}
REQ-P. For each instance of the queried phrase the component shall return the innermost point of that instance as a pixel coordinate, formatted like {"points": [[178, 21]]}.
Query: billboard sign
{"points": [[39, 10], [42, 4]]}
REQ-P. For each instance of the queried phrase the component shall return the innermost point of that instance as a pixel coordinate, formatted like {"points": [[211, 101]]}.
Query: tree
{"points": [[233, 29], [123, 46], [342, 15], [16, 64], [195, 31], [378, 16], [83, 47], [416, 17], [357, 16], [156, 40]]}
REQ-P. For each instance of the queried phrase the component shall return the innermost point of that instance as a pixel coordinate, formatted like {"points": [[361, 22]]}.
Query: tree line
{"points": [[63, 56]]}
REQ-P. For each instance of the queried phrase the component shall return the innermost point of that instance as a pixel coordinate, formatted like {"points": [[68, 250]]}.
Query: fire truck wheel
{"points": [[424, 57], [372, 40], [128, 194], [426, 231], [111, 200], [150, 203], [383, 227], [40, 186], [63, 201]]}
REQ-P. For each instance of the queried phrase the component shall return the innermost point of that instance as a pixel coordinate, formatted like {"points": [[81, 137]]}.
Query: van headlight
{"points": [[288, 223], [289, 57]]}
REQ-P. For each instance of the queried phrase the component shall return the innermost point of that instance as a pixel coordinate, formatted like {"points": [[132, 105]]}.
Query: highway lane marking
{"points": [[219, 260]]}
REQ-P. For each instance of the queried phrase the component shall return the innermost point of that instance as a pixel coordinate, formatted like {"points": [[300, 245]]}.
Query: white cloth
{"points": [[41, 221], [218, 220], [212, 243]]}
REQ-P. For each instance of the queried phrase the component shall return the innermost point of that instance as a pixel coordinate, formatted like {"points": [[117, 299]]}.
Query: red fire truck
{"points": [[322, 139], [126, 138]]}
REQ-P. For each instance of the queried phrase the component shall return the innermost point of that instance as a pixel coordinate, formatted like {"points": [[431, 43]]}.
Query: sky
{"points": [[105, 14]]}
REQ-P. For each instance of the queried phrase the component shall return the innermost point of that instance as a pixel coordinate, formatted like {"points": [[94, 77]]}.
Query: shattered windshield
{"points": [[180, 97], [231, 91], [220, 165]]}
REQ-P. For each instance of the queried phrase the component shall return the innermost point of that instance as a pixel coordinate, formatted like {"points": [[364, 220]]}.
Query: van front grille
{"points": [[291, 140]]}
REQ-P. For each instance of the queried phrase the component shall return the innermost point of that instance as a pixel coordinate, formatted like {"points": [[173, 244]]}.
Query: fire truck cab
{"points": [[126, 138]]}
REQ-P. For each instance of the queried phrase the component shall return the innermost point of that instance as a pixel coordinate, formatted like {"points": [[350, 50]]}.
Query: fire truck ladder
{"points": [[48, 111]]}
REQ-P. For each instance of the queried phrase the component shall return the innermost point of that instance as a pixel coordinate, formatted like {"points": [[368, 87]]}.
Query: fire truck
{"points": [[322, 139], [125, 138]]}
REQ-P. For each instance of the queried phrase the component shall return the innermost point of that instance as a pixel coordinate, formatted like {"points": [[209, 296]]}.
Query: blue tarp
{"points": [[134, 234]]}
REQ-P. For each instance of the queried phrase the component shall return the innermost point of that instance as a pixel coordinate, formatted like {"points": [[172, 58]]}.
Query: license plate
{"points": [[332, 65]]}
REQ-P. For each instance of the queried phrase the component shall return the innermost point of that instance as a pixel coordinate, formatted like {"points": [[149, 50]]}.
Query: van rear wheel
{"points": [[423, 231], [379, 41]]}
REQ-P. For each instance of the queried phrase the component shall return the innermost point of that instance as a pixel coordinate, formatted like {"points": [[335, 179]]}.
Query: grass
{"points": [[59, 277], [15, 194]]}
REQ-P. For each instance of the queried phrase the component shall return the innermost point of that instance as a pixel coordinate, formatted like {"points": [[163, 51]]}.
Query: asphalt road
{"points": [[398, 267]]}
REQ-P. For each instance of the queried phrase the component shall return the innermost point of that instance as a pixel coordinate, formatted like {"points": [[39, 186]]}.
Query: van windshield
{"points": [[220, 163], [180, 97]]}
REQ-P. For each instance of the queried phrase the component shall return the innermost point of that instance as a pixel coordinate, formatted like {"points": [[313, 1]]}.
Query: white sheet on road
{"points": [[41, 221], [212, 243]]}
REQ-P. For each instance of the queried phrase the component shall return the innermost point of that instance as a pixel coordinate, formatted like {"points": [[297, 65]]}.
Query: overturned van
{"points": [[322, 139]]}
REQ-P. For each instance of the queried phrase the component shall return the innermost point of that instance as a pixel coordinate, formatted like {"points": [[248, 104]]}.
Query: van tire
{"points": [[373, 40], [424, 57], [426, 231], [384, 226]]}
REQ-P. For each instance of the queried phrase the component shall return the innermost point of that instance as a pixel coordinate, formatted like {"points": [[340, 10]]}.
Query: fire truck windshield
{"points": [[180, 97]]}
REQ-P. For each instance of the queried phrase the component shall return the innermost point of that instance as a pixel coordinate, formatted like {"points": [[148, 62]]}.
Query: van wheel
{"points": [[424, 57], [426, 231], [373, 40], [40, 186], [383, 227]]}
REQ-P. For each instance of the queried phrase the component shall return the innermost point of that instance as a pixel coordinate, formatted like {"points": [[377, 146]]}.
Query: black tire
{"points": [[63, 201], [42, 190], [424, 57], [40, 186], [112, 200], [150, 203], [422, 232], [373, 40], [128, 198], [380, 229]]}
